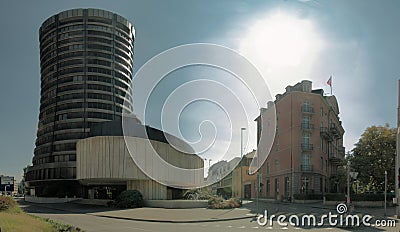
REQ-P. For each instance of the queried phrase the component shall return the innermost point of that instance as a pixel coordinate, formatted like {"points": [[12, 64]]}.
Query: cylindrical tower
{"points": [[86, 59]]}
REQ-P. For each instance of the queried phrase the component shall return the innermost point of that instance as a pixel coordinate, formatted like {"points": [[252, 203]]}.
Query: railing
{"points": [[307, 126], [307, 147], [333, 128], [325, 133], [333, 157], [306, 168], [341, 151]]}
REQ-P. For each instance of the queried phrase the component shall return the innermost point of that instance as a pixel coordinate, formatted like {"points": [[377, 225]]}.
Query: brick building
{"points": [[308, 146]]}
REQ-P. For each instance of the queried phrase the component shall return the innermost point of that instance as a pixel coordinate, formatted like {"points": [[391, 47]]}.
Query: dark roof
{"points": [[134, 128]]}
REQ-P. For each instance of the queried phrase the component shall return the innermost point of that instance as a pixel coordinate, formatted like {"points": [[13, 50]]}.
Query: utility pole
{"points": [[397, 168], [241, 164]]}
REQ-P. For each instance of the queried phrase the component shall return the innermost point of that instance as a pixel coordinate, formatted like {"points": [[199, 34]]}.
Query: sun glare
{"points": [[282, 45]]}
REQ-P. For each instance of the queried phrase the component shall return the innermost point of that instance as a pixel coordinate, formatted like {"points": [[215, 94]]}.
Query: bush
{"points": [[335, 197], [215, 200], [7, 203], [196, 195], [62, 227], [308, 196], [219, 203], [234, 202], [129, 199], [371, 197]]}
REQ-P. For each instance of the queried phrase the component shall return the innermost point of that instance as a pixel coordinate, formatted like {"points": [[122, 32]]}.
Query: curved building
{"points": [[86, 59]]}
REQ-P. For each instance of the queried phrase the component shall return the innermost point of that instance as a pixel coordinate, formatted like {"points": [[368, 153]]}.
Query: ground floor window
{"points": [[305, 184]]}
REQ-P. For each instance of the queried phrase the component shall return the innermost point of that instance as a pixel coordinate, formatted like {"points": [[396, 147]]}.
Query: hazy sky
{"points": [[357, 42]]}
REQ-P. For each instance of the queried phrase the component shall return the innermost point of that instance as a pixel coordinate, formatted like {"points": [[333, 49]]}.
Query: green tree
{"points": [[374, 154]]}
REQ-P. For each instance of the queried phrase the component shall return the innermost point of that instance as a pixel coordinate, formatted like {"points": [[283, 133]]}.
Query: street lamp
{"points": [[241, 163], [385, 189], [209, 162], [353, 176], [348, 182]]}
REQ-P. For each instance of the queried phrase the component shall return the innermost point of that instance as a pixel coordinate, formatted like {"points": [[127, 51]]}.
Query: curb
{"points": [[173, 221], [150, 220]]}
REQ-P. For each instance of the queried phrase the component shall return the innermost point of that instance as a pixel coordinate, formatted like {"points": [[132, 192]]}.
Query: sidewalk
{"points": [[177, 215], [143, 214]]}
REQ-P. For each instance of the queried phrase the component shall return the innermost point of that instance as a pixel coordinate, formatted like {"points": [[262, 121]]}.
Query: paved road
{"points": [[88, 221]]}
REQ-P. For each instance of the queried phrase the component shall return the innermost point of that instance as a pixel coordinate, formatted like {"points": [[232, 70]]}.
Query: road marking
{"points": [[229, 226], [242, 227], [255, 227], [284, 228]]}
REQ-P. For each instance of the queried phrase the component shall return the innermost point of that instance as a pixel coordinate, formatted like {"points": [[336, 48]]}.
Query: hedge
{"points": [[358, 197], [308, 196]]}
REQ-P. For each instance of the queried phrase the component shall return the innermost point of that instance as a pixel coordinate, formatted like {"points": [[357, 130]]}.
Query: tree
{"points": [[374, 154]]}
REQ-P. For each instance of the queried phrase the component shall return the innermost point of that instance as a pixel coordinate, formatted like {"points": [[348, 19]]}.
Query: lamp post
{"points": [[385, 189], [241, 163], [348, 182], [397, 164], [209, 162]]}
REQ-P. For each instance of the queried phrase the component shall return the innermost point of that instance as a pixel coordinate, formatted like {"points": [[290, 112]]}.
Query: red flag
{"points": [[329, 82]]}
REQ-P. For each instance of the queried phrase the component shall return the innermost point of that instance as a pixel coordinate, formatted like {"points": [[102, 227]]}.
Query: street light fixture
{"points": [[241, 163], [209, 162], [352, 175], [385, 189], [348, 183]]}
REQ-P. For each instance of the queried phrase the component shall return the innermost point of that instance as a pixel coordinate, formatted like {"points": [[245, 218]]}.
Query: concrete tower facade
{"points": [[86, 58]]}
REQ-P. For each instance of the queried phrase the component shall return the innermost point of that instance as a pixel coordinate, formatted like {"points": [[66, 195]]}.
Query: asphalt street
{"points": [[88, 221]]}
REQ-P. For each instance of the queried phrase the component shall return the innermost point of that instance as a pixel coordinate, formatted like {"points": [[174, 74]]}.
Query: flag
{"points": [[329, 82]]}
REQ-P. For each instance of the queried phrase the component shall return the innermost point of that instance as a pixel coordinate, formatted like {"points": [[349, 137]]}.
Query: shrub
{"points": [[7, 203], [62, 227], [215, 200], [196, 195], [335, 197], [371, 197], [219, 203], [129, 199], [234, 202]]}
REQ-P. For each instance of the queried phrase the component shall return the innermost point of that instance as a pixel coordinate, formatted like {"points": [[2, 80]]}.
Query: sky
{"points": [[355, 42]]}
